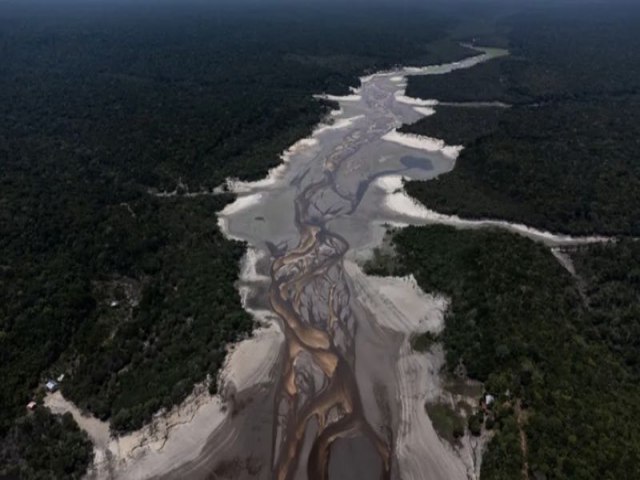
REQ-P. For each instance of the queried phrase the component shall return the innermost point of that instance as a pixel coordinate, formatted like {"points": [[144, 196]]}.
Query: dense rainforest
{"points": [[129, 294], [566, 156], [558, 349], [537, 337], [457, 125], [610, 281]]}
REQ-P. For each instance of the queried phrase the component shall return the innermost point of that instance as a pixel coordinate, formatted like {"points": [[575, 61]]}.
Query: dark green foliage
{"points": [[503, 458], [53, 281], [43, 446], [194, 93], [457, 125], [476, 422], [559, 53], [566, 167], [487, 82], [611, 276], [104, 105], [422, 343], [188, 311], [517, 323], [443, 50], [566, 158], [447, 423]]}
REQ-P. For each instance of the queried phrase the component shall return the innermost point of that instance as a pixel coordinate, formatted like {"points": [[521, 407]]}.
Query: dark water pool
{"points": [[417, 162]]}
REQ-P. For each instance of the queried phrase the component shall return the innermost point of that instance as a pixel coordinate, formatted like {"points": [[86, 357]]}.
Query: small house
{"points": [[31, 405], [51, 386]]}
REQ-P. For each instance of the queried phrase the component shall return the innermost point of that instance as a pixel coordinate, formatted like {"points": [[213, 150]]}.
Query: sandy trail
{"points": [[167, 439]]}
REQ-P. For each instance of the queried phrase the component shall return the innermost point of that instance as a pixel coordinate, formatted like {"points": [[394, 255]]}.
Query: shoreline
{"points": [[420, 142], [399, 202], [179, 434], [399, 305]]}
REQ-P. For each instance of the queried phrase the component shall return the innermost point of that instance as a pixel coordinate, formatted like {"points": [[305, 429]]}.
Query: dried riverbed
{"points": [[345, 396], [329, 386]]}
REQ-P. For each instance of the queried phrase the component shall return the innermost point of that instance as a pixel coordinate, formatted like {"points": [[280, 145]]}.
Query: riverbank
{"points": [[399, 202], [519, 322]]}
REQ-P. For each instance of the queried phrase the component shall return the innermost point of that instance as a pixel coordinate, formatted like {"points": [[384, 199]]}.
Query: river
{"points": [[338, 400]]}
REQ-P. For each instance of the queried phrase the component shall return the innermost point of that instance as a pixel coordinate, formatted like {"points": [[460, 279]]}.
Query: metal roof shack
{"points": [[51, 386], [32, 406]]}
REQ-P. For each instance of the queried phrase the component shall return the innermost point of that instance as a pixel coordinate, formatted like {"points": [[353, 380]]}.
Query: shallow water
{"points": [[334, 405], [417, 162]]}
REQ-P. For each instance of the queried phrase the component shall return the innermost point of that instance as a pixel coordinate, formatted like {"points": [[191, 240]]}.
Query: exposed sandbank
{"points": [[424, 143], [398, 304], [398, 202]]}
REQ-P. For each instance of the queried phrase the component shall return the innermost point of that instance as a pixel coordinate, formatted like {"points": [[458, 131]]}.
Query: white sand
{"points": [[338, 125], [97, 430], [391, 183], [169, 440], [398, 303], [242, 371], [248, 266], [420, 452], [565, 260], [399, 202], [170, 437], [447, 68], [423, 143], [418, 102], [368, 78], [177, 436], [241, 203], [426, 111], [275, 174], [343, 98]]}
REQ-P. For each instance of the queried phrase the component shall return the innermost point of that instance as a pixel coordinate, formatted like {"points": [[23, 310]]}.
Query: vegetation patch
{"points": [[447, 423], [423, 342], [457, 125], [61, 449], [567, 167], [519, 325], [611, 276], [565, 157], [131, 295]]}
